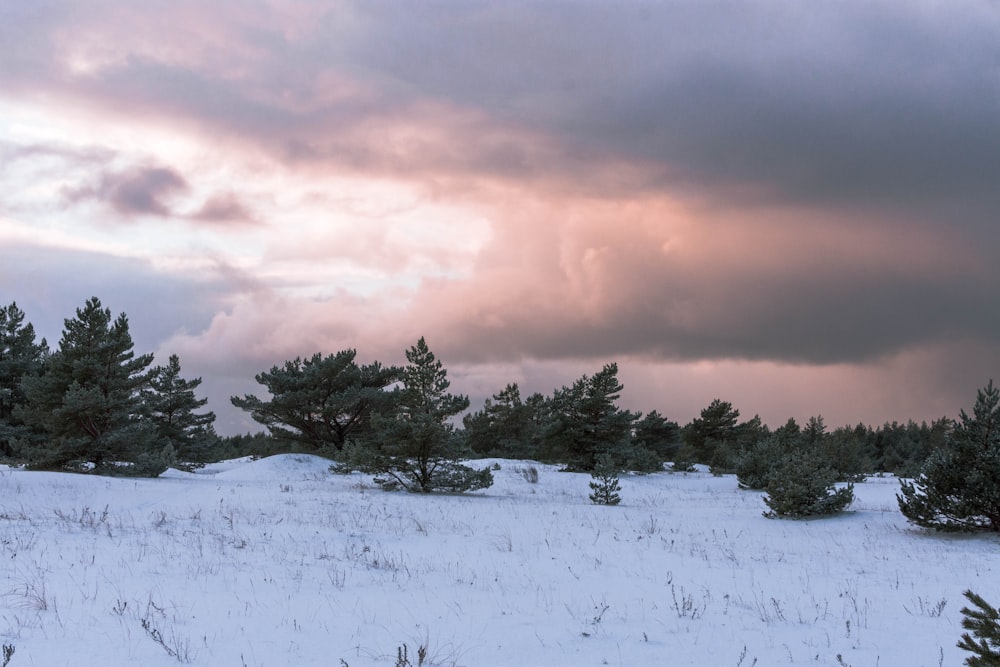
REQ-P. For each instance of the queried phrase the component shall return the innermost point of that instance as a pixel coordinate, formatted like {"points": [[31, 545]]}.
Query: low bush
{"points": [[803, 485]]}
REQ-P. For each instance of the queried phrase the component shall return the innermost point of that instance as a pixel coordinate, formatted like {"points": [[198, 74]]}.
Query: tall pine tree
{"points": [[20, 357], [88, 399], [506, 426], [415, 445], [586, 422], [711, 438], [170, 403]]}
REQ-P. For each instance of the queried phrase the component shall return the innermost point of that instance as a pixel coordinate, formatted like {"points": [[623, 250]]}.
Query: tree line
{"points": [[93, 404]]}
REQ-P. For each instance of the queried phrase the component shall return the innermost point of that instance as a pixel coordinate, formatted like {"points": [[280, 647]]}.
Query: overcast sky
{"points": [[790, 206]]}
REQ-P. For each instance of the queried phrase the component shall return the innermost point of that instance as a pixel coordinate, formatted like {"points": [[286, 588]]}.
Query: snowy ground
{"points": [[277, 562]]}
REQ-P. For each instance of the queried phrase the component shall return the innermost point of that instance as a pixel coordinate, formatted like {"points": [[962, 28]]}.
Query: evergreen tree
{"points": [[504, 428], [844, 450], [958, 488], [656, 434], [802, 485], [710, 438], [255, 445], [903, 448], [789, 434], [415, 446], [984, 622], [604, 486], [754, 466], [323, 402], [171, 403], [88, 399], [585, 422], [20, 357], [748, 434]]}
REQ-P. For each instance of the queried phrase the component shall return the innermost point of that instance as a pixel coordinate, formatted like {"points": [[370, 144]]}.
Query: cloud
{"points": [[49, 283], [132, 192], [654, 278], [141, 190], [889, 105], [796, 191], [223, 208]]}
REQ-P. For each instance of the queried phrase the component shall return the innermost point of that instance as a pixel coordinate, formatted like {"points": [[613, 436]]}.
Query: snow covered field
{"points": [[277, 562]]}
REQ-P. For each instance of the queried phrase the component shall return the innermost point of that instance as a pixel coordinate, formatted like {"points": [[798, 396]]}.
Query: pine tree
{"points": [[415, 446], [844, 450], [88, 399], [171, 403], [754, 466], [505, 427], [604, 486], [322, 403], [958, 488], [710, 438], [657, 435], [984, 622], [586, 423], [20, 357], [802, 485]]}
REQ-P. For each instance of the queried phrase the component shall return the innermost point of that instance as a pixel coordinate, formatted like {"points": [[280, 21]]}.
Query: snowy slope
{"points": [[278, 562]]}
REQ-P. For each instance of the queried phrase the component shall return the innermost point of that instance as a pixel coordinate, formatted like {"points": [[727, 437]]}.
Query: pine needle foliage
{"points": [[322, 403], [88, 398], [171, 403], [804, 486], [754, 466], [984, 624], [20, 357], [415, 447], [958, 488], [604, 486]]}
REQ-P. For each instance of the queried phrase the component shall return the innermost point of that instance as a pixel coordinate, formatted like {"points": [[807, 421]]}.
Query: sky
{"points": [[789, 207]]}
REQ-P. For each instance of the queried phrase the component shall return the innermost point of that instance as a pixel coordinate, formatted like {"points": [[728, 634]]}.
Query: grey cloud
{"points": [[896, 104], [133, 191], [90, 173], [810, 322], [141, 190], [891, 104], [740, 292], [223, 207], [50, 283]]}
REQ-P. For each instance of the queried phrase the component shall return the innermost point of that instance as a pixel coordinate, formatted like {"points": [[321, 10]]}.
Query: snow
{"points": [[279, 562]]}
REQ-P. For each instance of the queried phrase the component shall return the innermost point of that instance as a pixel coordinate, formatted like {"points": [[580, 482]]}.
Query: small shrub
{"points": [[958, 488], [644, 460], [802, 486], [604, 484], [984, 622], [147, 464]]}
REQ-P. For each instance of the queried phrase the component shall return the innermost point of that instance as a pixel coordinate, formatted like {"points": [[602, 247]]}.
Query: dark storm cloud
{"points": [[878, 121], [812, 305], [894, 104]]}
